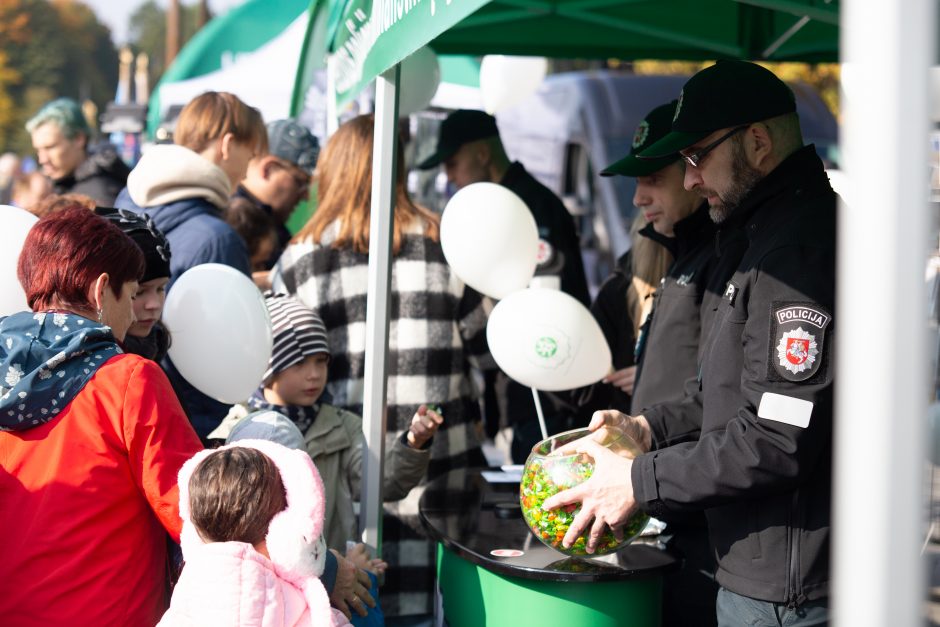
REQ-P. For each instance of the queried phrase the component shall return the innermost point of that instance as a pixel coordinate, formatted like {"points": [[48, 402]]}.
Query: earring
{"points": [[99, 315]]}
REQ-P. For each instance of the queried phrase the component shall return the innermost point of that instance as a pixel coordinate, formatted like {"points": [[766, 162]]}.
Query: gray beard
{"points": [[744, 178]]}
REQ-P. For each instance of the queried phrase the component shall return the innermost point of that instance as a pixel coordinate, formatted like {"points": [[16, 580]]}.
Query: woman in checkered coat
{"points": [[436, 335]]}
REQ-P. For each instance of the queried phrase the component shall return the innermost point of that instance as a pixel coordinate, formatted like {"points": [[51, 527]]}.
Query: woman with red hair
{"points": [[91, 438]]}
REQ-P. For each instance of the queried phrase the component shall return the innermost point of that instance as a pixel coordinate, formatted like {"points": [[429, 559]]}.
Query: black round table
{"points": [[493, 571]]}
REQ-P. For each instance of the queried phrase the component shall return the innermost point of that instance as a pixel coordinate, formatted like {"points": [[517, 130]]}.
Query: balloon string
{"points": [[538, 410]]}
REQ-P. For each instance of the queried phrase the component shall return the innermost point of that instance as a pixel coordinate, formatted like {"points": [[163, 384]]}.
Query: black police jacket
{"points": [[616, 322], [761, 465], [563, 257], [556, 227], [669, 349]]}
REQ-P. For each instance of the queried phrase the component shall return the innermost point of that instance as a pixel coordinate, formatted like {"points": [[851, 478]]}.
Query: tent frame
{"points": [[879, 428]]}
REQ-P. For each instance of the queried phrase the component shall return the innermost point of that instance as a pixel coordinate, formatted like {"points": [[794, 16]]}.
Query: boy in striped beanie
{"points": [[292, 386]]}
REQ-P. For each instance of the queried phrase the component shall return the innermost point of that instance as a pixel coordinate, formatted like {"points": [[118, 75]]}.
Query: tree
{"points": [[90, 69], [48, 50], [13, 23]]}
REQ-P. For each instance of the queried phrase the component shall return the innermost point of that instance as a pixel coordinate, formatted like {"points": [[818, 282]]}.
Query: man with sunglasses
{"points": [[668, 348], [280, 180], [752, 446]]}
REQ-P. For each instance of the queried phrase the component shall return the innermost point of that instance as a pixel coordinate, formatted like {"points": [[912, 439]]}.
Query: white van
{"points": [[576, 124]]}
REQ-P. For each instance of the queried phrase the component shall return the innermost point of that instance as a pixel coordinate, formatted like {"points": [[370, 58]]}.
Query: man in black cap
{"points": [[753, 447], [280, 180], [471, 151], [669, 344]]}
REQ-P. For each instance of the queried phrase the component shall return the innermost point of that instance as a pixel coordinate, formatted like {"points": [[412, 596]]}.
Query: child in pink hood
{"points": [[252, 540]]}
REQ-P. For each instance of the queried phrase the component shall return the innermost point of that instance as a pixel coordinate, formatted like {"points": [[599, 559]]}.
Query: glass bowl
{"points": [[547, 472]]}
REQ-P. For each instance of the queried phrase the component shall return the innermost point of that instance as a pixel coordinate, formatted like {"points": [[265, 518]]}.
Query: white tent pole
{"points": [[881, 360], [377, 303]]}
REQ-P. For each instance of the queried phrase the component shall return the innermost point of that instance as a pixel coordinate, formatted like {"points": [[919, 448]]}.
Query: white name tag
{"points": [[786, 409]]}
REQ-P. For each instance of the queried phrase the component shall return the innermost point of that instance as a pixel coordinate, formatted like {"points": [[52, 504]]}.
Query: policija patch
{"points": [[798, 332]]}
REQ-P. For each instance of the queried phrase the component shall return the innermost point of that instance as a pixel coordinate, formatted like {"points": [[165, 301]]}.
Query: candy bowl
{"points": [[548, 471]]}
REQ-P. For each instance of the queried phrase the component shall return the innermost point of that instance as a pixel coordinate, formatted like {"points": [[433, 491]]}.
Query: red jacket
{"points": [[87, 499]]}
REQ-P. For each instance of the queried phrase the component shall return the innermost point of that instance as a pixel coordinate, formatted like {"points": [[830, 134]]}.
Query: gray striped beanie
{"points": [[298, 333]]}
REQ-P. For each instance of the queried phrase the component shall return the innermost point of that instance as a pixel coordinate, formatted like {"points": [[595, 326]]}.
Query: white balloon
{"points": [[505, 81], [490, 239], [547, 340], [221, 331], [418, 81], [16, 223]]}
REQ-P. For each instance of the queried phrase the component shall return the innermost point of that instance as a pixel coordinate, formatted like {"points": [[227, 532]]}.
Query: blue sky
{"points": [[115, 13]]}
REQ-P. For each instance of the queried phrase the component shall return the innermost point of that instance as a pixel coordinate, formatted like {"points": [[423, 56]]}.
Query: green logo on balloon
{"points": [[546, 347]]}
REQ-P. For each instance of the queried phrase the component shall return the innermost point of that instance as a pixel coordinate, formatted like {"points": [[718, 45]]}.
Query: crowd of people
{"points": [[133, 498]]}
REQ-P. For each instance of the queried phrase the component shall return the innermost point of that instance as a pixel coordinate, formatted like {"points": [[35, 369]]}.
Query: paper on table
{"points": [[506, 474]]}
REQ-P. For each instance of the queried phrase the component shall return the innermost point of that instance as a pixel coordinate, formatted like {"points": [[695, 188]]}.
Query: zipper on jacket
{"points": [[795, 597]]}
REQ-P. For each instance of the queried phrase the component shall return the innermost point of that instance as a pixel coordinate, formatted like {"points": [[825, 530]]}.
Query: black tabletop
{"points": [[473, 518]]}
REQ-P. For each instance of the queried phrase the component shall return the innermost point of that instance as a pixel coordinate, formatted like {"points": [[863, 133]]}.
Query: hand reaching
{"points": [[358, 554], [635, 426], [423, 426], [623, 379]]}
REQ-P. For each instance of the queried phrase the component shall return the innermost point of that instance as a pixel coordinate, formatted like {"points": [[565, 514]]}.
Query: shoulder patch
{"points": [[798, 333]]}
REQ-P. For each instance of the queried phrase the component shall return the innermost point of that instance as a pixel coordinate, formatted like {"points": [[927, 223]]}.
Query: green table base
{"points": [[476, 597]]}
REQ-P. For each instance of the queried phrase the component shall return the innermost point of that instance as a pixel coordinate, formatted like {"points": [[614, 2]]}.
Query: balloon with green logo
{"points": [[547, 340]]}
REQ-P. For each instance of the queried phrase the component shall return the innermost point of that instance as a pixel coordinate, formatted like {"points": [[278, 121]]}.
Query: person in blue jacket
{"points": [[184, 187]]}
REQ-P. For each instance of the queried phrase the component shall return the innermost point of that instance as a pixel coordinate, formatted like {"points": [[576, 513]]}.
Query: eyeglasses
{"points": [[695, 159]]}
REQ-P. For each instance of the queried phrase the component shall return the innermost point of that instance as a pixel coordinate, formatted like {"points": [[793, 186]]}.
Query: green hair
{"points": [[65, 113]]}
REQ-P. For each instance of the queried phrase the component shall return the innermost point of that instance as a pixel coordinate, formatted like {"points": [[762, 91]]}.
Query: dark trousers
{"points": [[735, 610]]}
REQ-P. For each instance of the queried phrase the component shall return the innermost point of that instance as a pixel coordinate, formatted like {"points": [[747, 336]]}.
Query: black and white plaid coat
{"points": [[436, 336]]}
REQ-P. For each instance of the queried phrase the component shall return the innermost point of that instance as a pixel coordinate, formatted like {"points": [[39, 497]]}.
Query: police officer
{"points": [[470, 149], [753, 447], [669, 347]]}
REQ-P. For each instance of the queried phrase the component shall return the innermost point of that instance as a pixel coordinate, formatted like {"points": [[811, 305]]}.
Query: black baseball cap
{"points": [[460, 127], [294, 143], [654, 127], [729, 93]]}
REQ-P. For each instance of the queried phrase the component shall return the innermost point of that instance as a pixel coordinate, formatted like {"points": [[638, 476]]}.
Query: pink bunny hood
{"points": [[295, 535]]}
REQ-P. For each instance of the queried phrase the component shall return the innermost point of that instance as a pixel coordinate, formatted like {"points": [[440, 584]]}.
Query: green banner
{"points": [[373, 36]]}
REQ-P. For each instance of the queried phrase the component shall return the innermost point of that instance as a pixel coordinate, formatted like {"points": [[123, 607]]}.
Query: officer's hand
{"points": [[623, 379], [635, 426], [606, 498]]}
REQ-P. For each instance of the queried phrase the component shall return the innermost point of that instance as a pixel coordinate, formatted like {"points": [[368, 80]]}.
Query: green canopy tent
{"points": [[363, 39], [244, 28], [360, 41], [890, 45]]}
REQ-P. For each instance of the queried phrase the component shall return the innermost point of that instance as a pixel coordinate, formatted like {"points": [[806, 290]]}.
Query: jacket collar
{"points": [[689, 231], [514, 173], [800, 174], [46, 359], [321, 424], [242, 192]]}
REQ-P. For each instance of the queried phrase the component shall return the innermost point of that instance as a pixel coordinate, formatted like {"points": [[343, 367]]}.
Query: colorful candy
{"points": [[546, 475]]}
